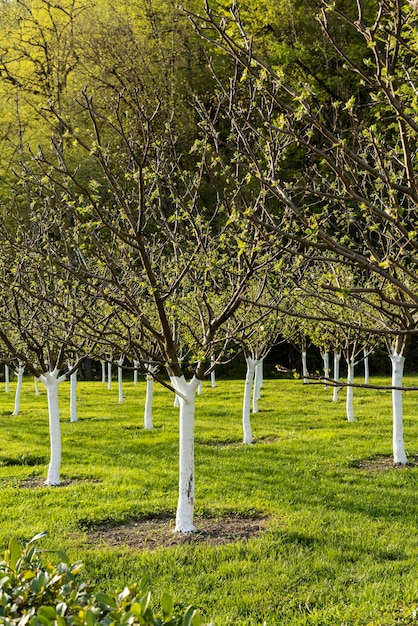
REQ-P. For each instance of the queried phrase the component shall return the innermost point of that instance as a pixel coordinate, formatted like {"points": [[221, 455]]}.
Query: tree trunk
{"points": [[120, 379], [109, 375], [246, 417], [36, 382], [185, 506], [73, 397], [212, 374], [336, 378], [136, 365], [325, 359], [399, 455], [148, 425], [366, 367], [51, 382], [103, 372], [350, 391], [19, 374], [6, 379], [305, 368]]}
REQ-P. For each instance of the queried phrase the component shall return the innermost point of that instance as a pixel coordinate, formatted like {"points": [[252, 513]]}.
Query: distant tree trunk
{"points": [[213, 373], [109, 375], [19, 373], [366, 366], [336, 377], [399, 455], [136, 365], [6, 378], [305, 372], [325, 359], [148, 424], [258, 383], [350, 390], [36, 382], [51, 380], [185, 506], [103, 364], [200, 388], [120, 378], [246, 416], [73, 397]]}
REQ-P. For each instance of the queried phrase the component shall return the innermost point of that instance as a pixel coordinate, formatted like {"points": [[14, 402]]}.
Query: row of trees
{"points": [[168, 190]]}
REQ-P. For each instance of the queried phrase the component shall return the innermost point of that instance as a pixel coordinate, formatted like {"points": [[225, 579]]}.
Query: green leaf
{"points": [[167, 606], [15, 552], [191, 617], [48, 612]]}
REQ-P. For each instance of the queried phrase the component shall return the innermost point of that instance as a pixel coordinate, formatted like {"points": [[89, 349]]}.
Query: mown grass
{"points": [[341, 541]]}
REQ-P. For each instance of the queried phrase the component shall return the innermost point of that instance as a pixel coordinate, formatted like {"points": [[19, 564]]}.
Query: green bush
{"points": [[36, 593]]}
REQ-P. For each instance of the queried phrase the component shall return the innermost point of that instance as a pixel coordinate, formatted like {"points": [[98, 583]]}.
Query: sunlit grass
{"points": [[341, 543]]}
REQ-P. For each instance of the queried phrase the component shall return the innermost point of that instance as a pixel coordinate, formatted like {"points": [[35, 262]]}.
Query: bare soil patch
{"points": [[149, 534], [383, 463], [34, 482]]}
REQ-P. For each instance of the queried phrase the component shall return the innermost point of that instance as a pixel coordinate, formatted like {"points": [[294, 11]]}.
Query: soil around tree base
{"points": [[150, 534]]}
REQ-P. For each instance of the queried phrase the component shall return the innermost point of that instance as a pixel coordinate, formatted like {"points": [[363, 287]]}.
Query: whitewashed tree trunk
{"points": [[366, 367], [136, 366], [185, 506], [6, 378], [350, 391], [120, 379], [399, 455], [336, 378], [148, 424], [258, 384], [246, 417], [36, 382], [200, 388], [325, 359], [109, 375], [19, 373], [103, 372], [51, 380], [73, 397], [305, 368], [213, 373]]}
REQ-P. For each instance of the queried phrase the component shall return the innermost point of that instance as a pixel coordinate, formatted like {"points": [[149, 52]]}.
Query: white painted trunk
{"points": [[36, 381], [337, 358], [305, 368], [19, 373], [103, 372], [51, 382], [399, 455], [200, 388], [120, 379], [185, 506], [258, 383], [325, 359], [366, 367], [136, 366], [350, 391], [109, 375], [6, 379], [246, 416], [213, 373], [148, 425], [176, 401], [73, 397]]}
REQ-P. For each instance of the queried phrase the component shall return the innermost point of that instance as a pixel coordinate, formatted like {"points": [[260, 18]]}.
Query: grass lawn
{"points": [[339, 544]]}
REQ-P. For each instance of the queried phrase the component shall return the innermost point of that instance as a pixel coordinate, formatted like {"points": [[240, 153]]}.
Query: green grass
{"points": [[341, 543]]}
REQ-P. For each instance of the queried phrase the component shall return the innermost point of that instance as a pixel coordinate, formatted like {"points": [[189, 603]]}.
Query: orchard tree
{"points": [[44, 315], [160, 227], [354, 194]]}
